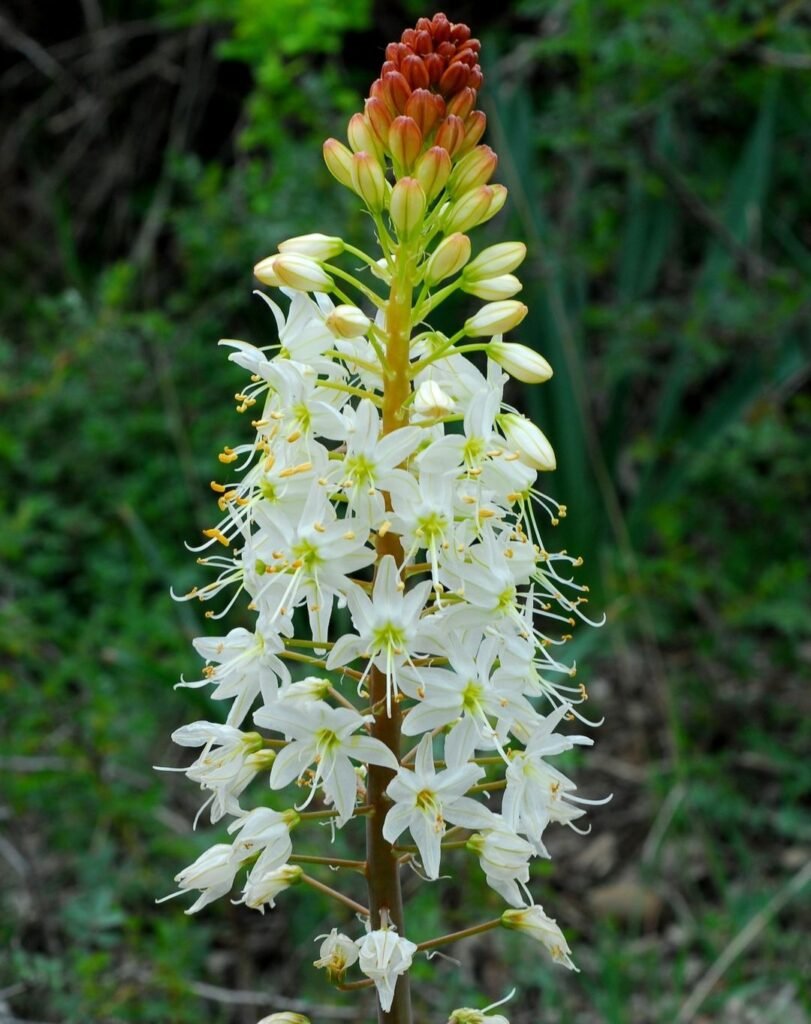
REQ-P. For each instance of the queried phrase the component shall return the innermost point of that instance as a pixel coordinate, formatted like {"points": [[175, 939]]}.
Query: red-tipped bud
{"points": [[379, 118], [423, 44], [451, 134], [415, 72], [432, 171], [398, 90], [474, 169], [361, 136], [447, 259], [368, 180], [462, 103], [422, 108], [475, 78], [435, 67], [474, 129], [407, 208], [454, 78], [339, 161], [405, 142]]}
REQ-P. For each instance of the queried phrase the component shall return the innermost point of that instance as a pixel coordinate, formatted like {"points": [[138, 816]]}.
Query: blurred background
{"points": [[657, 156]]}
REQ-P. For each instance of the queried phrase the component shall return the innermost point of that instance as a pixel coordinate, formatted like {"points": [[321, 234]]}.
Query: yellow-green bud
{"points": [[474, 207], [265, 271], [361, 137], [528, 442], [495, 318], [466, 1015], [431, 401], [432, 171], [339, 161], [301, 273], [520, 361], [493, 288], [405, 142], [348, 322], [315, 245], [407, 207], [476, 168], [496, 260], [368, 180], [448, 258]]}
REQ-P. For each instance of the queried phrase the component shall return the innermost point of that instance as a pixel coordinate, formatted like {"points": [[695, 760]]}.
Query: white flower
{"points": [[424, 800], [504, 858], [495, 318], [534, 922], [325, 736], [337, 953], [527, 440], [266, 831], [388, 626], [384, 956], [520, 361], [212, 873], [431, 402], [286, 1017]]}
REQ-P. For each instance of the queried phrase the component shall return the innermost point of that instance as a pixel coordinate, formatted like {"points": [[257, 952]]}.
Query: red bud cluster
{"points": [[426, 93]]}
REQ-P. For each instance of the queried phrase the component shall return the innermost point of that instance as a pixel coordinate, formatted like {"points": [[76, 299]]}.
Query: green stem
{"points": [[465, 933], [333, 862], [339, 896]]}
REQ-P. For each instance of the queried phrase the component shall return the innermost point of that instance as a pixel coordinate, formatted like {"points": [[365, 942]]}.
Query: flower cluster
{"points": [[384, 528]]}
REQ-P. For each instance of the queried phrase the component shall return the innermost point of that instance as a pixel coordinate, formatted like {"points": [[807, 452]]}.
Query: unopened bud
{"points": [[285, 1018], [520, 361], [475, 124], [380, 270], [528, 442], [474, 169], [447, 259], [475, 207], [422, 106], [315, 245], [495, 318], [451, 133], [379, 118], [265, 271], [463, 102], [368, 180], [407, 207], [396, 91], [466, 1015], [432, 171], [361, 136], [496, 260], [301, 273], [431, 402], [339, 161], [348, 322], [405, 142], [493, 288]]}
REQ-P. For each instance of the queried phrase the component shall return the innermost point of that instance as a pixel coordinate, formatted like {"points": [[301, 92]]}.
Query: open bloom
{"points": [[424, 800], [535, 923], [337, 953]]}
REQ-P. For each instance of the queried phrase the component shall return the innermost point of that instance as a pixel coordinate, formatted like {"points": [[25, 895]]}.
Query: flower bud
{"points": [[301, 273], [465, 1015], [431, 402], [380, 270], [348, 322], [475, 124], [463, 102], [368, 180], [377, 113], [493, 288], [496, 260], [474, 207], [519, 361], [448, 258], [495, 318], [424, 109], [285, 1018], [263, 887], [265, 271], [405, 141], [361, 136], [533, 922], [474, 169], [432, 171], [339, 161], [451, 133], [396, 91], [315, 245], [407, 207], [527, 441]]}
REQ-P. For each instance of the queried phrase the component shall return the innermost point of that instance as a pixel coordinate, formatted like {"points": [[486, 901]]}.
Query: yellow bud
{"points": [[301, 273], [361, 137], [339, 161], [448, 258], [368, 180], [432, 171], [407, 207], [348, 322], [474, 207], [476, 168]]}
